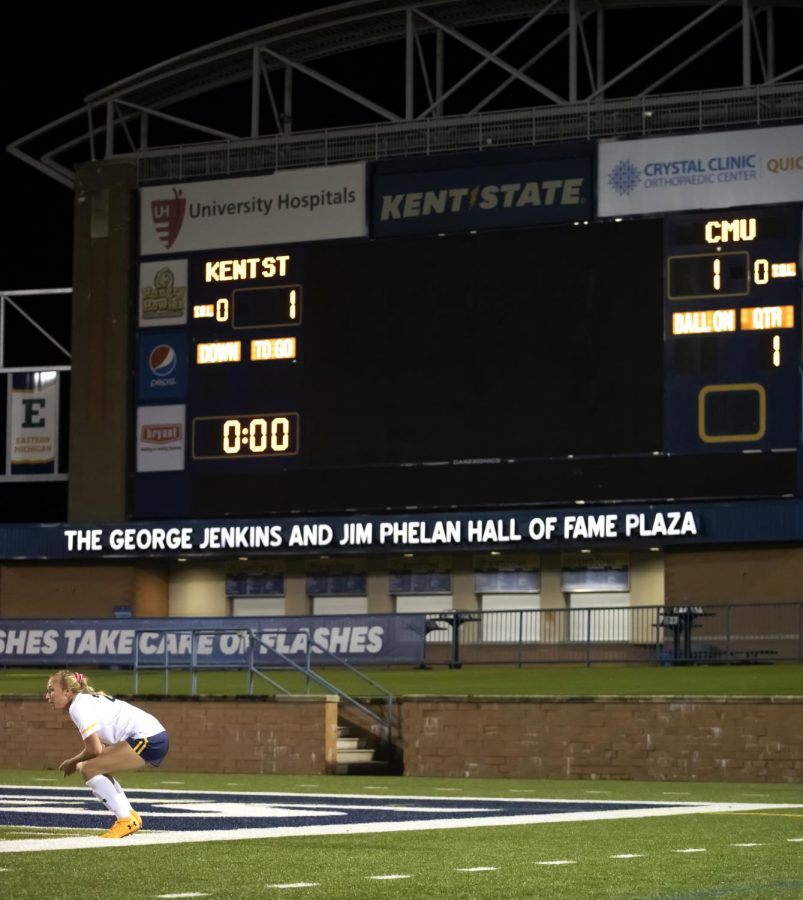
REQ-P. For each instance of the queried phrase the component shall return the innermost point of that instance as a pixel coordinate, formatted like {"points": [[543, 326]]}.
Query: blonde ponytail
{"points": [[74, 682]]}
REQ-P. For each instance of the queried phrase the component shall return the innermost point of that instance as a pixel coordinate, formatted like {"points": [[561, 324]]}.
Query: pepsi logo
{"points": [[162, 360]]}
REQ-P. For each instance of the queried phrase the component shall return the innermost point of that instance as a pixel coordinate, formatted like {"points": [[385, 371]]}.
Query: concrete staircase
{"points": [[355, 757]]}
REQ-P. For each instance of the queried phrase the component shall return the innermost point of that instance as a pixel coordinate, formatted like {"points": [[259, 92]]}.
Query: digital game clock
{"points": [[257, 435]]}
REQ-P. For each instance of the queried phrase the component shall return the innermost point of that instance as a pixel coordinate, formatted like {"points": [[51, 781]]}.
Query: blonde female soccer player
{"points": [[117, 737]]}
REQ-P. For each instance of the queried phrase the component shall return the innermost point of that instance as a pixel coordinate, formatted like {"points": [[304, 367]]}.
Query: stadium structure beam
{"points": [[340, 88], [425, 30]]}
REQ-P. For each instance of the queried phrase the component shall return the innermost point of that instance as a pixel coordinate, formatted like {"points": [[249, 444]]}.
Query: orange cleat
{"points": [[123, 827]]}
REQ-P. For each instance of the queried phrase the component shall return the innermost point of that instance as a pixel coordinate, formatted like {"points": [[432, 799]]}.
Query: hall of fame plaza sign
{"points": [[177, 816], [601, 527], [398, 533]]}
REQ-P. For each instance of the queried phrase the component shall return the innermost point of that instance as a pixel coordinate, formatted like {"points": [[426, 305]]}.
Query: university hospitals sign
{"points": [[288, 206], [535, 530]]}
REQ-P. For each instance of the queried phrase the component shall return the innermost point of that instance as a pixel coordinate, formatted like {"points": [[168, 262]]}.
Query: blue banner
{"points": [[606, 527], [213, 641], [513, 195]]}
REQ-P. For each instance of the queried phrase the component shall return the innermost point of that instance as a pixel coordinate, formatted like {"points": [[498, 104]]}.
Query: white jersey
{"points": [[114, 720]]}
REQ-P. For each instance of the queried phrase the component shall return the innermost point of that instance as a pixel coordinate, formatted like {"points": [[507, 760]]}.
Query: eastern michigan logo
{"points": [[162, 362], [168, 217]]}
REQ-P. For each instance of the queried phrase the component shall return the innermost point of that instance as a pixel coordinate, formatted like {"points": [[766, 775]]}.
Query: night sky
{"points": [[51, 61]]}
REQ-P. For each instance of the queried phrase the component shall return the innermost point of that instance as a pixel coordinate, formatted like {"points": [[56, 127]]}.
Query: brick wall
{"points": [[288, 735], [742, 739], [644, 739]]}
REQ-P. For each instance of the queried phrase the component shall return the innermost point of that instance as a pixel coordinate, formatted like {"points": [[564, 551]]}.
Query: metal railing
{"points": [[244, 647], [731, 634], [647, 116], [666, 635]]}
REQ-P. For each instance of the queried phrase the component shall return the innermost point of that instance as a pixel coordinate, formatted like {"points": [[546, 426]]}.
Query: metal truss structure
{"points": [[23, 314], [30, 308], [373, 78]]}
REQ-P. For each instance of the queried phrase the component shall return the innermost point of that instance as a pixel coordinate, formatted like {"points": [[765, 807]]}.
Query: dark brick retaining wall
{"points": [[733, 739], [262, 735], [648, 739]]}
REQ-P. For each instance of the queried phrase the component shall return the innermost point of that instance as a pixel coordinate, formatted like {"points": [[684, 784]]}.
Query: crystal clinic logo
{"points": [[168, 217], [624, 177]]}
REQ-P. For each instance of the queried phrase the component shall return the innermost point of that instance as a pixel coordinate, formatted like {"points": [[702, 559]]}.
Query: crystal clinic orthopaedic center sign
{"points": [[753, 167]]}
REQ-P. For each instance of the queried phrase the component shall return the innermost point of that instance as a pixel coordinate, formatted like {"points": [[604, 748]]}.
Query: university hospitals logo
{"points": [[168, 217], [624, 177]]}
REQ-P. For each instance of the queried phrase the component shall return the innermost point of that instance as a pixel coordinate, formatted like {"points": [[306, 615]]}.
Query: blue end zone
{"points": [[209, 811]]}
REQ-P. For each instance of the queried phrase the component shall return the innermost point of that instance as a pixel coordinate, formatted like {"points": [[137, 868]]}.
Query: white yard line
{"points": [[187, 894], [160, 838]]}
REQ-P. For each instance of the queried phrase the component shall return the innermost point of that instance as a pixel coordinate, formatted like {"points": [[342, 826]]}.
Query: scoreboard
{"points": [[732, 330], [245, 392], [602, 360]]}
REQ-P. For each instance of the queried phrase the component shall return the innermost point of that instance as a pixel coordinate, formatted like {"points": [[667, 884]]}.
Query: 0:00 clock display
{"points": [[257, 435]]}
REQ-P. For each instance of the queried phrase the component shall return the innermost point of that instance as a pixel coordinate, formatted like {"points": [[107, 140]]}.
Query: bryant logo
{"points": [[168, 216], [160, 434]]}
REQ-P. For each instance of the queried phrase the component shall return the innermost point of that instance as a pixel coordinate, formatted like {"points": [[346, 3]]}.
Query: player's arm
{"points": [[92, 748]]}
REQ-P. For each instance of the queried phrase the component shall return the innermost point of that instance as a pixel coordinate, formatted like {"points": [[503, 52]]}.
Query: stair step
{"points": [[348, 743], [371, 767], [360, 755]]}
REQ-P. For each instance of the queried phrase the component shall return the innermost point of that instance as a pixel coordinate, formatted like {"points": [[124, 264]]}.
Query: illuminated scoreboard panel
{"points": [[475, 369], [245, 393], [732, 331]]}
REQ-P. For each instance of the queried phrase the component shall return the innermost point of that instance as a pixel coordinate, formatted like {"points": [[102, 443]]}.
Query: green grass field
{"points": [[755, 855], [755, 680]]}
